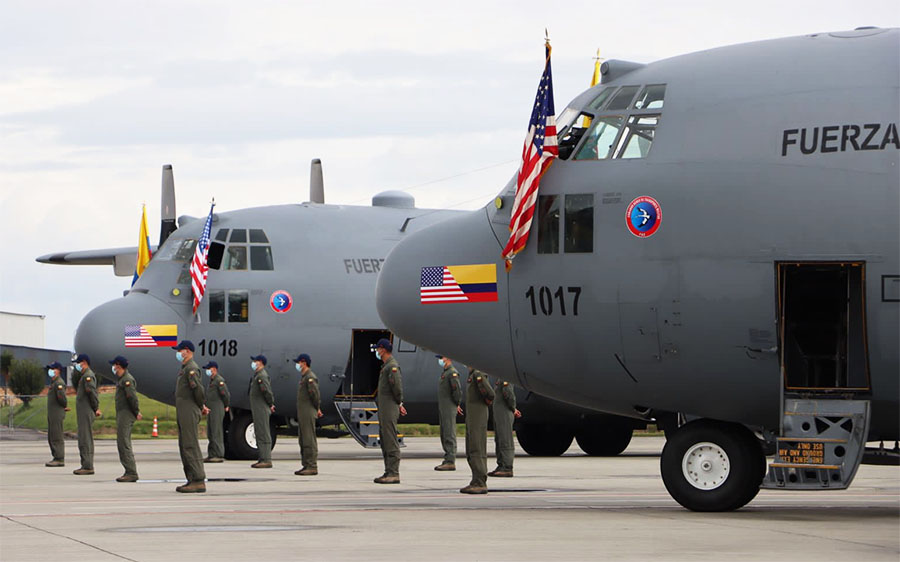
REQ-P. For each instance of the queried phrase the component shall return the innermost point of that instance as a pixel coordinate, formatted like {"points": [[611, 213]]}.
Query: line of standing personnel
{"points": [[128, 411], [57, 406], [309, 408], [218, 400], [87, 408], [449, 396], [262, 406], [505, 414]]}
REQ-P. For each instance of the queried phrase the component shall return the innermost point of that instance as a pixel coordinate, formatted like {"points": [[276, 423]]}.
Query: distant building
{"points": [[23, 336], [22, 329]]}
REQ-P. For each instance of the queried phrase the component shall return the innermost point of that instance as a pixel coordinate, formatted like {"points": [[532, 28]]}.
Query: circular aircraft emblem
{"points": [[643, 216], [281, 301]]}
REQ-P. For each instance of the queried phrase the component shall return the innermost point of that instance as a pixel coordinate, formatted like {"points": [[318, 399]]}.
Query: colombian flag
{"points": [[143, 254], [458, 283], [151, 335]]}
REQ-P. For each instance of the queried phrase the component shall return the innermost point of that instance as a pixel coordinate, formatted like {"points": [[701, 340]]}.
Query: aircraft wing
{"points": [[123, 260]]}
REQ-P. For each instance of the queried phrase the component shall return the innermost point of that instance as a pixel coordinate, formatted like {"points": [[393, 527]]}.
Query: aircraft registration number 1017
{"points": [[218, 347], [544, 297]]}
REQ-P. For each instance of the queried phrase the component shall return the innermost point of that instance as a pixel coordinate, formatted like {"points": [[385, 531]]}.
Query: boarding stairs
{"points": [[360, 416], [821, 444]]}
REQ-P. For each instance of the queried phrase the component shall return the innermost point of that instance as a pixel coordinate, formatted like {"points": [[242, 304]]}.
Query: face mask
{"points": [[378, 353], [298, 366], [78, 367], [208, 372], [51, 373], [113, 369], [179, 356], [253, 365], [441, 363]]}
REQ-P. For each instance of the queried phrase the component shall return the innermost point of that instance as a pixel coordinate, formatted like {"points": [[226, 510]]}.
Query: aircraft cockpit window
{"points": [[238, 235], [579, 227], [258, 235], [638, 136], [622, 99], [569, 139], [184, 276], [222, 235], [232, 306], [183, 250], [235, 258], [548, 224], [601, 140], [651, 97], [261, 258], [601, 100]]}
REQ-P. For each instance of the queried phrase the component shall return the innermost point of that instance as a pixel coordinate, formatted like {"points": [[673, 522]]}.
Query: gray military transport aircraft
{"points": [[288, 279], [718, 249]]}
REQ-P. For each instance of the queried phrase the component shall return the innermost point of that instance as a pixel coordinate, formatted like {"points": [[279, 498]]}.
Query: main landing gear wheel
{"points": [[712, 466], [241, 438], [544, 440], [606, 436]]}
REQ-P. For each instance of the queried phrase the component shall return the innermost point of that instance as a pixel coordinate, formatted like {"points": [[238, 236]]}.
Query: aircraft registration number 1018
{"points": [[544, 297], [218, 347]]}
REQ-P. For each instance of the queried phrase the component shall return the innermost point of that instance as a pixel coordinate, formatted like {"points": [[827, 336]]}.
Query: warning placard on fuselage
{"points": [[801, 452]]}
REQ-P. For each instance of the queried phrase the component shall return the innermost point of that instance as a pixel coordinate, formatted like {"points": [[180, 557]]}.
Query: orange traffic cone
{"points": [[155, 428]]}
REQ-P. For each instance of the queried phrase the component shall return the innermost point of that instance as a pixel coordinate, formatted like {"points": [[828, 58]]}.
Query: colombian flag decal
{"points": [[458, 283], [151, 335]]}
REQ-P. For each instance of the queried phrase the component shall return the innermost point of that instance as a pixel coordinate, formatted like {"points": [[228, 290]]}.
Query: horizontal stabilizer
{"points": [[123, 260]]}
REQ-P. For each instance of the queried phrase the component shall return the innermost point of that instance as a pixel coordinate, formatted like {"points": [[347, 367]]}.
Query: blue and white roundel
{"points": [[281, 301], [643, 216]]}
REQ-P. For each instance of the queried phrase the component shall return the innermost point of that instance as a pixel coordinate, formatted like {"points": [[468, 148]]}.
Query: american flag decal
{"points": [[458, 283], [151, 335]]}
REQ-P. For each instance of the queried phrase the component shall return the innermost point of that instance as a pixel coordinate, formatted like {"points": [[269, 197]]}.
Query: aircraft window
{"points": [[216, 306], [235, 258], [600, 100], [579, 233], [601, 139], [637, 136], [573, 134], [261, 258], [623, 97], [184, 276], [239, 235], [238, 306], [566, 118], [214, 255], [222, 235], [651, 97], [548, 224], [186, 250], [258, 235]]}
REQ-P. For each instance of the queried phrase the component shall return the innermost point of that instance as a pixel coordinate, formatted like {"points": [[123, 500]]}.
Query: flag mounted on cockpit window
{"points": [[538, 152], [199, 268], [143, 253]]}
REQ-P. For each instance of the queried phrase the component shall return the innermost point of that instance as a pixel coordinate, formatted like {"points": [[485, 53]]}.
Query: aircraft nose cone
{"points": [[472, 325], [101, 335]]}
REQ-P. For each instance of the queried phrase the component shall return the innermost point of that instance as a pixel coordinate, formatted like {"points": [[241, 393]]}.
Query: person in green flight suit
{"points": [[190, 404], [479, 396], [57, 406], [128, 410], [308, 409], [449, 396], [505, 414], [262, 406], [218, 400], [390, 408], [87, 408]]}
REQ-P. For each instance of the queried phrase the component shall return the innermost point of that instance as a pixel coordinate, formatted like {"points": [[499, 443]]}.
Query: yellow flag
{"points": [[143, 253], [595, 79]]}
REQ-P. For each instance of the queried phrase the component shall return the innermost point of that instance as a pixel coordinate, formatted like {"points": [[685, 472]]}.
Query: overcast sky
{"points": [[238, 96]]}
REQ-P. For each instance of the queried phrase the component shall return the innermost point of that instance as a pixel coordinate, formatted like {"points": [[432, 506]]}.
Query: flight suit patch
{"points": [[221, 383], [87, 379], [505, 384], [455, 375], [478, 378], [393, 369], [127, 383], [59, 387]]}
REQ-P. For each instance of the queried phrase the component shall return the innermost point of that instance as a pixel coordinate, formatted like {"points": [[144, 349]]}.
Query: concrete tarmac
{"points": [[567, 508]]}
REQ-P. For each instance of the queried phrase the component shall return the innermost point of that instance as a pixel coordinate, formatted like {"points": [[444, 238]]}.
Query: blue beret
{"points": [[385, 344], [185, 344], [119, 360], [261, 358], [305, 358], [82, 357], [211, 364]]}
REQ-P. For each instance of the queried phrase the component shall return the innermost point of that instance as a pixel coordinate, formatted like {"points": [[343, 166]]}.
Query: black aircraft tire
{"points": [[236, 445], [727, 465], [544, 440], [607, 437]]}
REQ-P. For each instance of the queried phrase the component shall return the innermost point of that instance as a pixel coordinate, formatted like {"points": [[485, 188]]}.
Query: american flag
{"points": [[137, 336], [199, 269], [538, 152], [438, 285]]}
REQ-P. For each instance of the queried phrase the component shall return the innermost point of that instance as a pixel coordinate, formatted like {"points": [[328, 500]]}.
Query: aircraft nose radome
{"points": [[473, 328], [101, 335]]}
